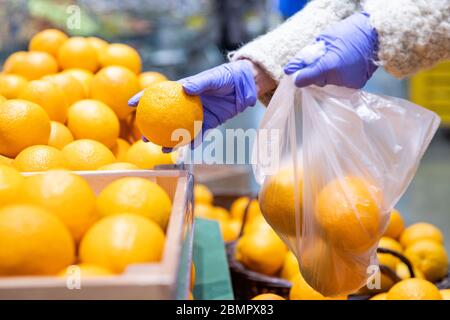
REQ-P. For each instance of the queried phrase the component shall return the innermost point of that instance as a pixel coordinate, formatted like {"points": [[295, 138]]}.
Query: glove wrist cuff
{"points": [[244, 83]]}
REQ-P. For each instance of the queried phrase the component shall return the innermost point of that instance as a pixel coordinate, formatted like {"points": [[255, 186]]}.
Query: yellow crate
{"points": [[431, 89]]}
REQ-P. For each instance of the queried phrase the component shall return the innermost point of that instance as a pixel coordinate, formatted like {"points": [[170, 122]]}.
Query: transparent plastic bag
{"points": [[332, 163]]}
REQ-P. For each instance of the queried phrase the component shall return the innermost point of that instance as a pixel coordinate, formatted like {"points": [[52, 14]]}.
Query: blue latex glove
{"points": [[225, 91], [351, 50]]}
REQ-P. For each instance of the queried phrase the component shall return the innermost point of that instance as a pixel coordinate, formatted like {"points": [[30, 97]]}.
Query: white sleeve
{"points": [[274, 49], [412, 34]]}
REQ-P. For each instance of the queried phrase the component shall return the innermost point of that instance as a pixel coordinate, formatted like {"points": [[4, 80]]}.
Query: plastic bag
{"points": [[332, 163]]}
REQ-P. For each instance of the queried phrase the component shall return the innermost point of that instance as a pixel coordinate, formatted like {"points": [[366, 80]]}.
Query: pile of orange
{"points": [[50, 221], [63, 105], [230, 221], [421, 243]]}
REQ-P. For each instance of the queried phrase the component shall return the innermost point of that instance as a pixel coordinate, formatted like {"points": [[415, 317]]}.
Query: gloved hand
{"points": [[351, 50], [225, 91]]}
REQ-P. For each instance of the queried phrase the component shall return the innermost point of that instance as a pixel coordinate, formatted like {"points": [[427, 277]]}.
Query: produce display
{"points": [[63, 105], [64, 111], [260, 250], [52, 220]]}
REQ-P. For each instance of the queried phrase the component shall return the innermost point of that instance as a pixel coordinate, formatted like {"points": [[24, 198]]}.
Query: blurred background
{"points": [[182, 37]]}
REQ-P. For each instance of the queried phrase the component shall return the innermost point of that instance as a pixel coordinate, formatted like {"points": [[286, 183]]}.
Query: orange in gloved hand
{"points": [[164, 109], [348, 210]]}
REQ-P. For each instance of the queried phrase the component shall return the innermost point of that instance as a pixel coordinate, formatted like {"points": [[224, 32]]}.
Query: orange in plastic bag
{"points": [[343, 159]]}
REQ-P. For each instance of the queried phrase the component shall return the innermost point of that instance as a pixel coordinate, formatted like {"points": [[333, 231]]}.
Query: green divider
{"points": [[211, 265]]}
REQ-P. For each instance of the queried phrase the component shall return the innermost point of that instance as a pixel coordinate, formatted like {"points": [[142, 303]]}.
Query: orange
{"points": [[73, 88], [278, 201], [91, 119], [66, 195], [203, 210], [256, 224], [77, 52], [136, 134], [85, 270], [192, 284], [83, 76], [49, 96], [202, 194], [147, 155], [268, 296], [118, 54], [98, 44], [49, 40], [148, 78], [119, 166], [329, 270], [10, 185], [210, 212], [14, 60], [429, 257], [39, 158], [6, 161], [11, 85], [290, 267], [380, 296], [395, 226], [348, 210], [136, 195], [420, 231], [238, 207], [403, 271], [445, 293], [22, 124], [230, 229], [261, 251], [114, 85], [376, 282], [167, 116], [414, 289], [34, 242], [120, 149], [301, 290], [86, 154], [117, 241], [60, 135], [2, 99], [386, 258], [30, 65]]}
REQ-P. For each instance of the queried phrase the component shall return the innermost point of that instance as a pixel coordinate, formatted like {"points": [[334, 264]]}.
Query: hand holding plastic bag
{"points": [[343, 160]]}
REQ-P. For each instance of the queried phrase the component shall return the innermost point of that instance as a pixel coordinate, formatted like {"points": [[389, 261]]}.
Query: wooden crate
{"points": [[167, 279]]}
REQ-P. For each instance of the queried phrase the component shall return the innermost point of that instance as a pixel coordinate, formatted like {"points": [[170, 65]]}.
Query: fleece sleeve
{"points": [[274, 49], [412, 34]]}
